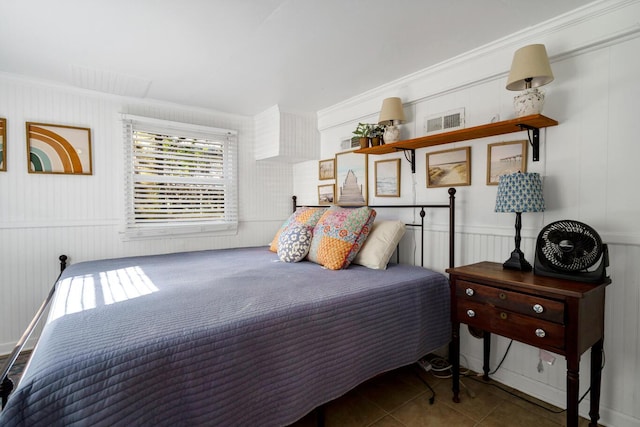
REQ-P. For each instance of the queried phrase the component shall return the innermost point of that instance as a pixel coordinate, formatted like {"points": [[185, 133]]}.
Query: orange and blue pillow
{"points": [[338, 236]]}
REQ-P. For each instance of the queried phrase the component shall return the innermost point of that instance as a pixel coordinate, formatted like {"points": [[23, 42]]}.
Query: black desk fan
{"points": [[568, 249]]}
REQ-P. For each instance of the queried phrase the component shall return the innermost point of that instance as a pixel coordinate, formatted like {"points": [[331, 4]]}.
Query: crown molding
{"points": [[593, 26]]}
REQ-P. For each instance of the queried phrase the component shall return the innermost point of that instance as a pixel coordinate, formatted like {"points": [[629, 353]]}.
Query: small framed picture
{"points": [[326, 194], [327, 169], [449, 168], [58, 149], [387, 173], [3, 145], [351, 179], [505, 158]]}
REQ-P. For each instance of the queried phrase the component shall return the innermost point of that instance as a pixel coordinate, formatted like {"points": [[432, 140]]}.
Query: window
{"points": [[180, 178]]}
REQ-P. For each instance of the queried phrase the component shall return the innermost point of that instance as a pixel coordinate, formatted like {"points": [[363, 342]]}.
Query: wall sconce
{"points": [[519, 192], [529, 70], [391, 115]]}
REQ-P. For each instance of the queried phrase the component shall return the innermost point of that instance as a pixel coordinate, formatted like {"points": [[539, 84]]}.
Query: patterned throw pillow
{"points": [[294, 243], [339, 235], [303, 216]]}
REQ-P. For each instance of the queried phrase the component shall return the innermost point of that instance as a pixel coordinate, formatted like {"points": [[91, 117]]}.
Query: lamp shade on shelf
{"points": [[520, 192], [392, 112], [391, 115], [530, 68]]}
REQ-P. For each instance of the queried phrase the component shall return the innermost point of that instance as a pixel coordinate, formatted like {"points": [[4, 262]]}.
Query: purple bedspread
{"points": [[227, 337]]}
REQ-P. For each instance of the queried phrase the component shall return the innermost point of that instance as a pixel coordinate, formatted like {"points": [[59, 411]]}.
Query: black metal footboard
{"points": [[6, 386]]}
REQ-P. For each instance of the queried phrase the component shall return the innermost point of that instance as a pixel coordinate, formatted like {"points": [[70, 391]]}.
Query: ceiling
{"points": [[243, 56]]}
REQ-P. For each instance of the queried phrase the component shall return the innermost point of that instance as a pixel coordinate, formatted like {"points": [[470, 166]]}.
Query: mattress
{"points": [[224, 337]]}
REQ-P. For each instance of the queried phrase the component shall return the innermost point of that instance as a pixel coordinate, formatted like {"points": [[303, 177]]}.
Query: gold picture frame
{"points": [[449, 168], [351, 179], [58, 149], [3, 145], [505, 158], [327, 169], [387, 178], [326, 194]]}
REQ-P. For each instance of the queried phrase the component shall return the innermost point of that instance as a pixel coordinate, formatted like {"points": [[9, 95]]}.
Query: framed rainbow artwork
{"points": [[58, 149], [3, 145]]}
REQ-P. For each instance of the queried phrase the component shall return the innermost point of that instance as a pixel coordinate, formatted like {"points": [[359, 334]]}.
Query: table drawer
{"points": [[526, 329], [529, 305]]}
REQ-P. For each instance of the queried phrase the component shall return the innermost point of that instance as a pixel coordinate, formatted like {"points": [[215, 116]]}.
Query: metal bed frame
{"points": [[7, 385]]}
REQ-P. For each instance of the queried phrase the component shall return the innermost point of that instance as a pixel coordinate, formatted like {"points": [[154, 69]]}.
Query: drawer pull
{"points": [[540, 333], [469, 292], [538, 308], [503, 315], [471, 313], [502, 296]]}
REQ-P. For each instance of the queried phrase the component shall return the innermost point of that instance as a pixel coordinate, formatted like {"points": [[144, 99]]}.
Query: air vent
{"points": [[443, 122], [348, 143]]}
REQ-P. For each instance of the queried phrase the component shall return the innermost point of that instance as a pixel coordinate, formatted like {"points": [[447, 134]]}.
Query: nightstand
{"points": [[562, 316]]}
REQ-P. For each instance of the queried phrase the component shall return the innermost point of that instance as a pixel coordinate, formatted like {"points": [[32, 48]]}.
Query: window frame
{"points": [[134, 229]]}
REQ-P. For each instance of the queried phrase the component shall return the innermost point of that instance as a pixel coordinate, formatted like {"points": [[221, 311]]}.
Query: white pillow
{"points": [[380, 245]]}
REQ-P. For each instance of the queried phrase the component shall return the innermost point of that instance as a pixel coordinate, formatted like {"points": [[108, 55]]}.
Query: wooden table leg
{"points": [[454, 352], [486, 341], [573, 390], [596, 379]]}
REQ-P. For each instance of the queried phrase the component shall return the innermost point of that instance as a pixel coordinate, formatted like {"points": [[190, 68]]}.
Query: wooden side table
{"points": [[562, 316]]}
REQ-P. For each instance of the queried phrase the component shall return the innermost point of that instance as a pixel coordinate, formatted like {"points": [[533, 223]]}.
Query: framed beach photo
{"points": [[387, 178], [3, 145], [327, 169], [449, 168], [505, 158], [58, 149], [351, 179], [326, 194]]}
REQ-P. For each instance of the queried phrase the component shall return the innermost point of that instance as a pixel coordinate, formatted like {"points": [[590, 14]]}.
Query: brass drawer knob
{"points": [[540, 333], [538, 308], [503, 315], [502, 296], [469, 292], [471, 313]]}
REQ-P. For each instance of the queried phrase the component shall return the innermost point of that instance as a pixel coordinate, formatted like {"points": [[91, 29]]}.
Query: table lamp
{"points": [[529, 70], [391, 115], [519, 192]]}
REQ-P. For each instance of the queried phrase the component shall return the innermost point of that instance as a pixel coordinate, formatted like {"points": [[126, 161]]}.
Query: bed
{"points": [[222, 337]]}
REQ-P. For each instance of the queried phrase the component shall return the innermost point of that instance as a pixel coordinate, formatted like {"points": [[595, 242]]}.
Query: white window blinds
{"points": [[180, 178]]}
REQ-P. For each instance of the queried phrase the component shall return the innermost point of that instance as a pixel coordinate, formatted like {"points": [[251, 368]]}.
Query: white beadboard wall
{"points": [[588, 163], [43, 216]]}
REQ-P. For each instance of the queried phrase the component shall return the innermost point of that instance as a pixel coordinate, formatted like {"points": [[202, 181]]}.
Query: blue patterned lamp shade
{"points": [[520, 192]]}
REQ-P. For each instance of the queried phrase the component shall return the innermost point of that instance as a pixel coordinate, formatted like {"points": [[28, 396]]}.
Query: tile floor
{"points": [[400, 399]]}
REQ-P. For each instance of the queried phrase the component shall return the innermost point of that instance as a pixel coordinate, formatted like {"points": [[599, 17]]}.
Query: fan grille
{"points": [[569, 246]]}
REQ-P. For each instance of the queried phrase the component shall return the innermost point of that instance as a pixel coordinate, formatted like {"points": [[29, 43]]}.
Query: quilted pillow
{"points": [[380, 245], [303, 216], [339, 235], [294, 243]]}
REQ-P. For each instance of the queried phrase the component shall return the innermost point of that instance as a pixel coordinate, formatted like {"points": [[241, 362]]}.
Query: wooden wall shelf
{"points": [[535, 122]]}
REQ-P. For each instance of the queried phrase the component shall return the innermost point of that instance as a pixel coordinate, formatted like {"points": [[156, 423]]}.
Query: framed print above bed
{"points": [[449, 168], [505, 158], [387, 178], [3, 145], [327, 169], [351, 179], [326, 194], [58, 149]]}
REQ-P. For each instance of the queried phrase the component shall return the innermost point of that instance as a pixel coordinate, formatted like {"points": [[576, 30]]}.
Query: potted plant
{"points": [[377, 132], [363, 131]]}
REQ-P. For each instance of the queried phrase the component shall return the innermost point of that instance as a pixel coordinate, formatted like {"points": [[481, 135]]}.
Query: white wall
{"points": [[43, 216], [588, 163]]}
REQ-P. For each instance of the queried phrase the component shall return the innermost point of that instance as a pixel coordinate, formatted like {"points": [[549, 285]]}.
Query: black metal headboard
{"points": [[452, 218]]}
